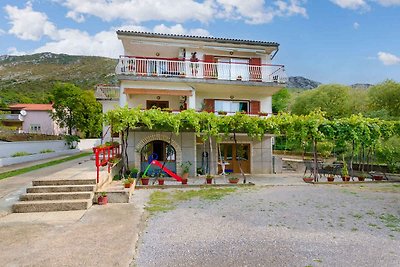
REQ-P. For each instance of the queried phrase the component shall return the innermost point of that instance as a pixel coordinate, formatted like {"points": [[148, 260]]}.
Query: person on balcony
{"points": [[194, 65]]}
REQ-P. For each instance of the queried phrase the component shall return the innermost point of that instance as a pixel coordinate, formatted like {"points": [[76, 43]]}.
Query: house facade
{"points": [[31, 118], [202, 73]]}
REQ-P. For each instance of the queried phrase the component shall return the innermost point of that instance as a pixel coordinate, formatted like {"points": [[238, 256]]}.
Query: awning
{"points": [[146, 91]]}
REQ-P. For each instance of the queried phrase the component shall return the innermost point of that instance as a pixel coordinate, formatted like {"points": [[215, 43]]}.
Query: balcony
{"points": [[11, 117], [155, 67], [107, 92]]}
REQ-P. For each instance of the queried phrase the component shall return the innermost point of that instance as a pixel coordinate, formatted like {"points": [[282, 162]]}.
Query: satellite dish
{"points": [[23, 112]]}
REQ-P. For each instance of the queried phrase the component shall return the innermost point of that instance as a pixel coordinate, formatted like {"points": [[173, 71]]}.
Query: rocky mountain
{"points": [[361, 85], [30, 78], [299, 82]]}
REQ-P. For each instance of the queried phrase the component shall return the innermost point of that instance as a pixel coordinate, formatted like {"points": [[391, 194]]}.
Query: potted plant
{"points": [[345, 172], [239, 78], [221, 112], [209, 178], [145, 180], [102, 199], [377, 177], [330, 177], [233, 180], [263, 114], [361, 177], [161, 179], [185, 171], [133, 173], [127, 183], [308, 179]]}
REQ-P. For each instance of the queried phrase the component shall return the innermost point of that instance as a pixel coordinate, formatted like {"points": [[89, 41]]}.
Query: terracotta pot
{"points": [[361, 179], [377, 177], [209, 181], [127, 185], [145, 181], [102, 200], [185, 175], [308, 179], [346, 178], [184, 180], [160, 181], [330, 178], [233, 181]]}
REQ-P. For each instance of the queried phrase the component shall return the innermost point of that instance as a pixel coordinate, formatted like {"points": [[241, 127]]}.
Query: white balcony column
{"points": [[192, 100], [122, 97]]}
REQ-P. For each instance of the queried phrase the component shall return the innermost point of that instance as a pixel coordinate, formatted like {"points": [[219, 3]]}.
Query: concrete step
{"points": [[49, 182], [56, 196], [61, 188], [51, 205]]}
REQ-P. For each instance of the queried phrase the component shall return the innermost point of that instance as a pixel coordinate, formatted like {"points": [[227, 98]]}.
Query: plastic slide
{"points": [[172, 174]]}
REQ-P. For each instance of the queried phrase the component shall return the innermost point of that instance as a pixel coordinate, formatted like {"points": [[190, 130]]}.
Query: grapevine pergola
{"points": [[358, 131]]}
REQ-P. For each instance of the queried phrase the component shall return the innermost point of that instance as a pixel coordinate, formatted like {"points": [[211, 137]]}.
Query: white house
{"points": [[202, 73]]}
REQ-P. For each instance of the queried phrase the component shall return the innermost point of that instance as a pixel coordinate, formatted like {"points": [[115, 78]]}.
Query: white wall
{"points": [[87, 144], [33, 147]]}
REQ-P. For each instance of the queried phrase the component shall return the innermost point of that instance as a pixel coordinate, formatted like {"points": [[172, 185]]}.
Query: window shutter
{"points": [[209, 105], [210, 70], [255, 107], [255, 69]]}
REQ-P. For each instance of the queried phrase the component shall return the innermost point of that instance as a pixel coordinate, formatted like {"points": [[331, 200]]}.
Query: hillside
{"points": [[30, 78], [299, 82]]}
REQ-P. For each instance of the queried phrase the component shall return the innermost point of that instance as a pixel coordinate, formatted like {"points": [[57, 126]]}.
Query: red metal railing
{"points": [[103, 154]]}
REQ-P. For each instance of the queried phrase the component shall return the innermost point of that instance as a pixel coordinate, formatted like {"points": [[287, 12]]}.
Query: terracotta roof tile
{"points": [[32, 106]]}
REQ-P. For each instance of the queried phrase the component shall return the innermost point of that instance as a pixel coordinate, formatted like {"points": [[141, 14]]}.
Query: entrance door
{"points": [[161, 151], [231, 154]]}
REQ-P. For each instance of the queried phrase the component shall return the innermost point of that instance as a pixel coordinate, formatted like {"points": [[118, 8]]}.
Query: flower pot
{"points": [[184, 180], [346, 178], [185, 175], [330, 178], [234, 181], [145, 181], [160, 181], [361, 179], [377, 177], [209, 180], [308, 179], [127, 185], [102, 200]]}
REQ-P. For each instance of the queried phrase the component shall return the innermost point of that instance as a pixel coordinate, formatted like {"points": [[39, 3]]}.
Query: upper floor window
{"points": [[231, 106], [35, 128]]}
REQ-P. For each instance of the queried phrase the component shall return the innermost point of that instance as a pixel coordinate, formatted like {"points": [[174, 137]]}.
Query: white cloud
{"points": [[389, 2], [28, 24], [2, 31], [137, 11], [179, 29], [356, 25], [14, 51], [352, 4], [388, 59], [363, 4]]}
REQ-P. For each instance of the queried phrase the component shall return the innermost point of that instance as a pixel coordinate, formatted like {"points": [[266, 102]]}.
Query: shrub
{"points": [[46, 151], [20, 154]]}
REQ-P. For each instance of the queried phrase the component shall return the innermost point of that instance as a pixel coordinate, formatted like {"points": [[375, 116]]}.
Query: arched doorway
{"points": [[160, 150]]}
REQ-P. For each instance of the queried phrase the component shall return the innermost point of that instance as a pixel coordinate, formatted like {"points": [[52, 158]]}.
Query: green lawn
{"points": [[43, 165]]}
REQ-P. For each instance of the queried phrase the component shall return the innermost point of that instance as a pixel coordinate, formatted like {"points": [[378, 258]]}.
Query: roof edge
{"points": [[197, 38]]}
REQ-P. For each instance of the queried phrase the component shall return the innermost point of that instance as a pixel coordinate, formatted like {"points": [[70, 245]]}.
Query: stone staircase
{"points": [[57, 195]]}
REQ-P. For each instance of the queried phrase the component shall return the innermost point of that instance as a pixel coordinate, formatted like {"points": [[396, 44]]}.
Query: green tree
{"points": [[76, 109], [385, 100], [280, 100], [332, 99]]}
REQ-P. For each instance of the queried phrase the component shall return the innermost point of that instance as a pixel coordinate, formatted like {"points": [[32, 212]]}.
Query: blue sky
{"points": [[330, 41]]}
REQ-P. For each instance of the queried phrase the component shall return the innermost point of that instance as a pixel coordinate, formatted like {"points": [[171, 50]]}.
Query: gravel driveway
{"points": [[306, 225]]}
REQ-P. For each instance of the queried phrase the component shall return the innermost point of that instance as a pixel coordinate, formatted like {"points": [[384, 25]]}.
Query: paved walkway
{"points": [[101, 236], [11, 188]]}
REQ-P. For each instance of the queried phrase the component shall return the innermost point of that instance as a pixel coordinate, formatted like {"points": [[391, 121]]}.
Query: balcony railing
{"points": [[200, 70], [11, 117], [106, 91]]}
